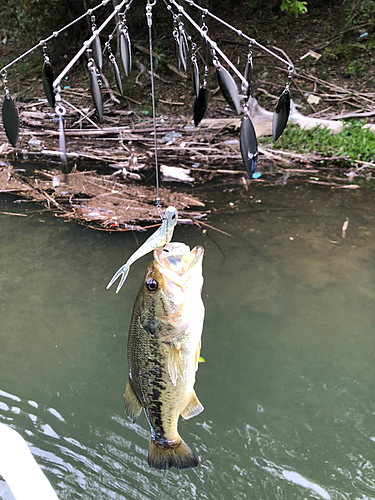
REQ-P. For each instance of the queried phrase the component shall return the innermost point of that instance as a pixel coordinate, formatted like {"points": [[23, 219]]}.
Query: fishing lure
{"points": [[201, 100], [115, 68], [183, 46], [195, 72], [61, 111], [228, 86], [10, 118], [205, 45], [281, 114], [116, 73], [125, 48], [248, 143], [159, 238], [95, 86], [200, 105], [282, 110], [47, 79], [62, 145], [248, 74], [195, 67], [176, 38], [96, 47]]}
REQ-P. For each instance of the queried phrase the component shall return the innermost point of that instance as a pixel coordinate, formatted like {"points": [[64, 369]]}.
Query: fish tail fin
{"points": [[166, 455]]}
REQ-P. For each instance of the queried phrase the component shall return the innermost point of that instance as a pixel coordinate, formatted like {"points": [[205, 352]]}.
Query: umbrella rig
{"points": [[191, 52]]}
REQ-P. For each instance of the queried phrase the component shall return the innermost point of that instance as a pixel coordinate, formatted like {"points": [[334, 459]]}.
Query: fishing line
{"points": [[149, 23]]}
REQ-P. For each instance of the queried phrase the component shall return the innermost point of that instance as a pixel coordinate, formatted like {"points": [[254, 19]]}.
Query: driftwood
{"points": [[102, 201], [111, 203]]}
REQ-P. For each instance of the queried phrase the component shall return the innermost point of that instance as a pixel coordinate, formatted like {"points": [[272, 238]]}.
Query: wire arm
{"points": [[209, 40], [87, 44], [241, 33], [55, 34]]}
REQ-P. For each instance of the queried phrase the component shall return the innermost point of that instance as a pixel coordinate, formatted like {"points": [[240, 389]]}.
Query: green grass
{"points": [[354, 142]]}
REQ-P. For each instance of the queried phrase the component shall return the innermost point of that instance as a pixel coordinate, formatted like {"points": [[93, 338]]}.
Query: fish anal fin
{"points": [[174, 363], [133, 406], [193, 408], [166, 455]]}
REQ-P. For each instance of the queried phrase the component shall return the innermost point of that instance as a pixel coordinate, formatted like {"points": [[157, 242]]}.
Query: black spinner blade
{"points": [[281, 114], [200, 105], [248, 144], [47, 81], [96, 94], [125, 51], [206, 52], [228, 88], [11, 121]]}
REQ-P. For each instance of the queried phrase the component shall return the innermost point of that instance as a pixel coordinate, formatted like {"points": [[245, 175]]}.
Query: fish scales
{"points": [[163, 351]]}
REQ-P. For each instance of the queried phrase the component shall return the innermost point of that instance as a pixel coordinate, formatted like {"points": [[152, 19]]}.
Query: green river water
{"points": [[288, 384]]}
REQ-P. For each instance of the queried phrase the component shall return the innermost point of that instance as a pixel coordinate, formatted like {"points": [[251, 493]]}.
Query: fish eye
{"points": [[151, 285]]}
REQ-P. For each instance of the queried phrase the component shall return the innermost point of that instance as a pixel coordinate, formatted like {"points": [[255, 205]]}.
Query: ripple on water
{"points": [[288, 341]]}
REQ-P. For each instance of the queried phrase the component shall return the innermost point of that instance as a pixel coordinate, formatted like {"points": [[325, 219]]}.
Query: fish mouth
{"points": [[178, 263]]}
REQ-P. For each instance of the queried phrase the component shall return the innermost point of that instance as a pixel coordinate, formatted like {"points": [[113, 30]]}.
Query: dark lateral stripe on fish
{"points": [[157, 423]]}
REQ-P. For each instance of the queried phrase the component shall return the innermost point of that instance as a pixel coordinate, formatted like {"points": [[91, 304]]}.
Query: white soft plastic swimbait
{"points": [[158, 239]]}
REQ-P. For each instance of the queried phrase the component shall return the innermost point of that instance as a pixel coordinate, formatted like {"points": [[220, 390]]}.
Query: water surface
{"points": [[288, 382]]}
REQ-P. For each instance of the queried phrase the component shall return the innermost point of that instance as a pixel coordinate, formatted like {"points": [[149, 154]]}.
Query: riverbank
{"points": [[111, 164]]}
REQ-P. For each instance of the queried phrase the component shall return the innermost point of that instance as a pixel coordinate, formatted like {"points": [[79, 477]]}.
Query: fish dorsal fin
{"points": [[174, 364], [193, 408], [133, 406]]}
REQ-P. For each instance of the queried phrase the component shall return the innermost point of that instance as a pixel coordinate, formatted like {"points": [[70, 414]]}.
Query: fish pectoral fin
{"points": [[174, 364], [133, 406], [193, 408]]}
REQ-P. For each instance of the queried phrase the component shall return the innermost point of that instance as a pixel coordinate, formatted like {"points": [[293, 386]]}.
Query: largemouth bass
{"points": [[163, 351]]}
